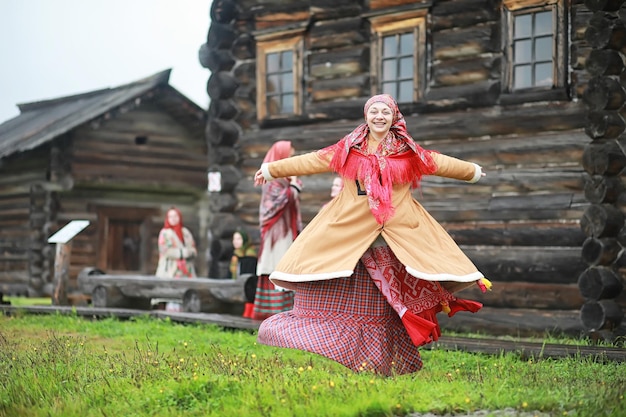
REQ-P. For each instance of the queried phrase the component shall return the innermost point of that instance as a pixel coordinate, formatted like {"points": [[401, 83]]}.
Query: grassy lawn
{"points": [[55, 365]]}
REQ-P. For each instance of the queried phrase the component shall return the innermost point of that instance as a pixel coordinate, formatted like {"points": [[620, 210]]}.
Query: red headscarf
{"points": [[279, 150], [278, 201], [399, 160], [178, 229]]}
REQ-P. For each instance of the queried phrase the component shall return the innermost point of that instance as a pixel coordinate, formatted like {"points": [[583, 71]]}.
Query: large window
{"points": [[279, 77], [398, 57], [535, 53]]}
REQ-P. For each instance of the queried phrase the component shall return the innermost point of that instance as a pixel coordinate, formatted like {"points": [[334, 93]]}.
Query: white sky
{"points": [[54, 48]]}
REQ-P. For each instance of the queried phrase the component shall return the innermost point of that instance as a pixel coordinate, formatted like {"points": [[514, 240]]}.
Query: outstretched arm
{"points": [[307, 164], [450, 167]]}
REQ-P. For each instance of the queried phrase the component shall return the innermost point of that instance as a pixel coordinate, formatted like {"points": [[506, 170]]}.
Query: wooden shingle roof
{"points": [[40, 122]]}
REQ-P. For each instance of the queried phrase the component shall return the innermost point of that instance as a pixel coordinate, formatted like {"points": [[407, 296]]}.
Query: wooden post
{"points": [[61, 272], [62, 238]]}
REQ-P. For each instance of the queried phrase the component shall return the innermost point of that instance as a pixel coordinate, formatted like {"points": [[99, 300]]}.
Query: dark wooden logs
{"points": [[604, 32], [104, 296], [215, 59], [221, 85], [604, 124], [245, 73], [222, 249], [604, 5], [599, 282], [603, 158], [524, 235], [621, 238], [136, 291], [522, 294], [602, 189], [223, 11], [602, 251], [528, 264], [222, 109], [604, 93], [601, 315], [244, 47], [221, 36], [222, 202], [482, 93], [224, 225], [222, 132], [224, 155], [600, 220], [604, 62]]}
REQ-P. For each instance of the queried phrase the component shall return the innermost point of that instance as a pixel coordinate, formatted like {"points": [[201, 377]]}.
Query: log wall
{"points": [[140, 159], [27, 207], [520, 224], [604, 159]]}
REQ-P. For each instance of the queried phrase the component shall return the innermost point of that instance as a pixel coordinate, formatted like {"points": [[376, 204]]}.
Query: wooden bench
{"points": [[206, 295]]}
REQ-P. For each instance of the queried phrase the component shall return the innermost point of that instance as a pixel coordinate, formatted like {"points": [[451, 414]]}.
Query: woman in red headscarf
{"points": [[177, 248], [280, 221], [373, 268]]}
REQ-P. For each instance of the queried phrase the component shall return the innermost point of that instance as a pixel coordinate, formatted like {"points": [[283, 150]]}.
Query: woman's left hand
{"points": [[259, 179]]}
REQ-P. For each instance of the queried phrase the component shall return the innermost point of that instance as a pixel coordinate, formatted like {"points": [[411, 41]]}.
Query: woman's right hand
{"points": [[259, 179]]}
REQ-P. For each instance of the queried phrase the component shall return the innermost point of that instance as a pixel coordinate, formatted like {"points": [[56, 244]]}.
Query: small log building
{"points": [[508, 84], [118, 157]]}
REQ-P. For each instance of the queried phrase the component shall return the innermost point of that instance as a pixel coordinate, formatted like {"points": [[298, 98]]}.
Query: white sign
{"points": [[68, 231], [215, 182]]}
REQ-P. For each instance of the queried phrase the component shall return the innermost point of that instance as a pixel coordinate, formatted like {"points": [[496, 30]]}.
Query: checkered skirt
{"points": [[347, 320], [268, 300]]}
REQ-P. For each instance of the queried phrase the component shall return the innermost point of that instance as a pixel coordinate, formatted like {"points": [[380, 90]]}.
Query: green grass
{"points": [[59, 365], [28, 301]]}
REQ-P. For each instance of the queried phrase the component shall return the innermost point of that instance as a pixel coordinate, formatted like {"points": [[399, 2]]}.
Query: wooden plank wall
{"points": [[169, 160], [97, 165], [520, 224], [25, 205]]}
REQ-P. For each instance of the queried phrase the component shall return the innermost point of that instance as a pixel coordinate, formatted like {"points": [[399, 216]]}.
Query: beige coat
{"points": [[331, 245]]}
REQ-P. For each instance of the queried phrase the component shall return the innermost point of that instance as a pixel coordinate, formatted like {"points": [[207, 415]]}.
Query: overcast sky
{"points": [[54, 48]]}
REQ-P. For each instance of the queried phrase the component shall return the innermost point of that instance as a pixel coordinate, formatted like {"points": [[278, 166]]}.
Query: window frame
{"points": [[272, 44], [513, 8], [414, 22]]}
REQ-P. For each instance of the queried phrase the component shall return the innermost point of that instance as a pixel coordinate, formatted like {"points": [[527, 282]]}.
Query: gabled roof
{"points": [[42, 121]]}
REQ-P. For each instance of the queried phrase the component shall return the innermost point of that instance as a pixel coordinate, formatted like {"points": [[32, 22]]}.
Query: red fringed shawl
{"points": [[398, 160]]}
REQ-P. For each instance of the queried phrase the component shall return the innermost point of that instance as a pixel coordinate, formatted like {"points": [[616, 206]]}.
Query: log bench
{"points": [[206, 295]]}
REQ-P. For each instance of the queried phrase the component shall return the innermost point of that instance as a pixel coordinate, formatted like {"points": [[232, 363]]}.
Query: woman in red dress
{"points": [[280, 221]]}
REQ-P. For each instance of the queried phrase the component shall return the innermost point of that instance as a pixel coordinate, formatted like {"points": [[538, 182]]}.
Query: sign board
{"points": [[68, 231], [215, 182]]}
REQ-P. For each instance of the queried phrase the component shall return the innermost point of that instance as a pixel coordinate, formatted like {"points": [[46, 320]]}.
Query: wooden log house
{"points": [[502, 83], [117, 157]]}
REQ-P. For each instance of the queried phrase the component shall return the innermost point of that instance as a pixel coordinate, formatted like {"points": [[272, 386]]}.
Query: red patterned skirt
{"points": [[347, 320], [269, 301]]}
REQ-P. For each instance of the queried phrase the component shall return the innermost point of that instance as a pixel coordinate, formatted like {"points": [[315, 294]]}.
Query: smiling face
{"points": [[379, 118]]}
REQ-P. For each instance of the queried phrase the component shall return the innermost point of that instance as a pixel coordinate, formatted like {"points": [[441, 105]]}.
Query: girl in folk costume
{"points": [[177, 248], [373, 268], [242, 248], [280, 221]]}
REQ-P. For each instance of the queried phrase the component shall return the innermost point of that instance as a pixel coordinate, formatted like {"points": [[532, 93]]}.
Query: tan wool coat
{"points": [[331, 245]]}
